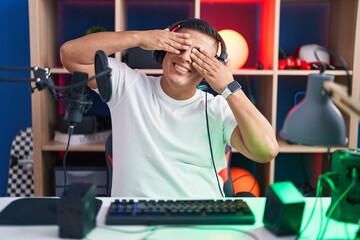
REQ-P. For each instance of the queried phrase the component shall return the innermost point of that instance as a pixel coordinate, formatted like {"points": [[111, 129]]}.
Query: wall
{"points": [[15, 98]]}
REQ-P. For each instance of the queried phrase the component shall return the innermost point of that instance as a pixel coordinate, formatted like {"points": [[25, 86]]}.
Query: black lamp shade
{"points": [[315, 121]]}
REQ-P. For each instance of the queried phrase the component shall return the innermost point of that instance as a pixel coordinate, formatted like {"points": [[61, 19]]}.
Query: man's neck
{"points": [[177, 93]]}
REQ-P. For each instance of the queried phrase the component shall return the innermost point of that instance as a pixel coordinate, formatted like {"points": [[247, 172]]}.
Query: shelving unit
{"points": [[343, 37]]}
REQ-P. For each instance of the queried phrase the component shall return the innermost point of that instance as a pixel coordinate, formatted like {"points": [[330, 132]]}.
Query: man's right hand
{"points": [[164, 40], [78, 54]]}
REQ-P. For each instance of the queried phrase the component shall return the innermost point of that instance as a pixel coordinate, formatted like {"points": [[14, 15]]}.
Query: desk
{"points": [[336, 230]]}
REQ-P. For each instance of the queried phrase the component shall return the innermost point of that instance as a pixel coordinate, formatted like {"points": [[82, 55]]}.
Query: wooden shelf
{"points": [[286, 147], [53, 146], [308, 72], [252, 72], [59, 70]]}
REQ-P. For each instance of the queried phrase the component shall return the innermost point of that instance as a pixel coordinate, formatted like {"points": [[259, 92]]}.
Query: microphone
{"points": [[103, 81], [78, 100]]}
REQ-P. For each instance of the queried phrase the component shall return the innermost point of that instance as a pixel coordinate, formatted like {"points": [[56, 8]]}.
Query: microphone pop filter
{"points": [[103, 82]]}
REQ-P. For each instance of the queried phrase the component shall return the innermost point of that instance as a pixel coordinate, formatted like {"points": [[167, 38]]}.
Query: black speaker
{"points": [[283, 209], [76, 211]]}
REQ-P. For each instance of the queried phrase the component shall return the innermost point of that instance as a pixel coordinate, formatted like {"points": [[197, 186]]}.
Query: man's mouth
{"points": [[181, 68]]}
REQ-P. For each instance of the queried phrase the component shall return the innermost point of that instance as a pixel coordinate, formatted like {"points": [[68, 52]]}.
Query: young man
{"points": [[162, 125]]}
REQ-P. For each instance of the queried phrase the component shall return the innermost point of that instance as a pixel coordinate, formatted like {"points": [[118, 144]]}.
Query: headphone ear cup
{"points": [[223, 55], [221, 60], [159, 56]]}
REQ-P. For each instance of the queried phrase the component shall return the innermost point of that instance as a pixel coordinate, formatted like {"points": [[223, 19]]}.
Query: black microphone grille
{"points": [[78, 100]]}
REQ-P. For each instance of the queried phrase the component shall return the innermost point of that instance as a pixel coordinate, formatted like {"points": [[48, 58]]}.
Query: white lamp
{"points": [[316, 120]]}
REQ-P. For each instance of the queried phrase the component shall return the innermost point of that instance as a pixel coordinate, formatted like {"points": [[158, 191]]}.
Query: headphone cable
{"points": [[70, 132], [210, 145]]}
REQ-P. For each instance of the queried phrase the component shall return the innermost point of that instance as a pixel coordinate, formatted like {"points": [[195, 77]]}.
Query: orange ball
{"points": [[244, 181]]}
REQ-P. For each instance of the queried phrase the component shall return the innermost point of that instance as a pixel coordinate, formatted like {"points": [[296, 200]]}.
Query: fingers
{"points": [[180, 35], [201, 60], [180, 41], [176, 42], [164, 40]]}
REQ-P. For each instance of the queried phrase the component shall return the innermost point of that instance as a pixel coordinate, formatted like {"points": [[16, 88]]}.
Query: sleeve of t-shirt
{"points": [[122, 77]]}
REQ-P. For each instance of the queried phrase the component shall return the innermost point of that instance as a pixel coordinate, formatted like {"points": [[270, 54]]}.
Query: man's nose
{"points": [[185, 55]]}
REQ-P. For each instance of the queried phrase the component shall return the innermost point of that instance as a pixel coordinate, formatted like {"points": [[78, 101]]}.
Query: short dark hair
{"points": [[195, 24], [201, 26]]}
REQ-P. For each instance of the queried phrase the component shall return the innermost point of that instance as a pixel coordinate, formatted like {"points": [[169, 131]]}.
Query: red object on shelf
{"points": [[293, 63]]}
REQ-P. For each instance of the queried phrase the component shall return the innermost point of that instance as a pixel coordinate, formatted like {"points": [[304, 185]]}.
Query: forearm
{"points": [[78, 54], [256, 136]]}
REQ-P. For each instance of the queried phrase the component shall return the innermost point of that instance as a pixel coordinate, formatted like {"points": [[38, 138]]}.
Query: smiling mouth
{"points": [[181, 68]]}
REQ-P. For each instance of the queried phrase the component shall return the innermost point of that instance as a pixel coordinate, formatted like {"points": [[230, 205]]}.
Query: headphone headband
{"points": [[159, 55]]}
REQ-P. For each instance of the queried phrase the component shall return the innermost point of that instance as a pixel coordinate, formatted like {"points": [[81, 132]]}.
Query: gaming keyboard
{"points": [[179, 212]]}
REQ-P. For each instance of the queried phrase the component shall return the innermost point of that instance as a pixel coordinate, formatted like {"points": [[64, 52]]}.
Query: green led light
{"points": [[287, 192]]}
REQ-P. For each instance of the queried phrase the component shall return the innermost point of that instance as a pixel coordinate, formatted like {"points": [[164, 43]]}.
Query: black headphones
{"points": [[159, 55]]}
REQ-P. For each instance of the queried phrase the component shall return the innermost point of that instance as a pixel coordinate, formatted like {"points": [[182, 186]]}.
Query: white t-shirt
{"points": [[160, 145]]}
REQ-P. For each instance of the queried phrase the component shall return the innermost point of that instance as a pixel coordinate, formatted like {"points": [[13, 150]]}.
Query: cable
{"points": [[229, 229], [318, 195], [70, 86], [337, 202], [127, 231], [210, 145], [340, 59], [70, 132], [326, 178], [150, 230], [303, 168], [253, 236]]}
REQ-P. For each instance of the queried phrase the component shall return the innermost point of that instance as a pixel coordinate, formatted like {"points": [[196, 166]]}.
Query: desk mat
{"points": [[33, 211]]}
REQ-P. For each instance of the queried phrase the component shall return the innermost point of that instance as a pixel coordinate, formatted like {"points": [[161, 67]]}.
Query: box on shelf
{"points": [[81, 174]]}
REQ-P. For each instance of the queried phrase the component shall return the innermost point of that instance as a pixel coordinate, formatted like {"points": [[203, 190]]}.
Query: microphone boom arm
{"points": [[42, 79]]}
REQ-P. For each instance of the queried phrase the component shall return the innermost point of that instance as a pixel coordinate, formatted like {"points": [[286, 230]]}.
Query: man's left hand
{"points": [[217, 75]]}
